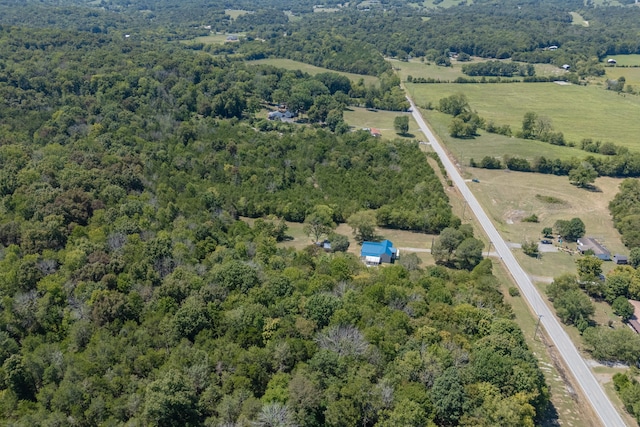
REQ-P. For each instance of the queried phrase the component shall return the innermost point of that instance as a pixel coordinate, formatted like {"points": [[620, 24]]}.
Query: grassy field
{"points": [[577, 111], [234, 13], [360, 118], [313, 70], [578, 19], [510, 196], [418, 68], [489, 144], [212, 39], [630, 74], [626, 60]]}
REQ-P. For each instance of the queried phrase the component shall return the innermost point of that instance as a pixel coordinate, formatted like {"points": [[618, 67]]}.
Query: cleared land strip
{"points": [[599, 401]]}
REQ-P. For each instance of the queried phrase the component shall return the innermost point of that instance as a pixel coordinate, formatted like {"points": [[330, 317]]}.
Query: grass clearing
{"points": [[494, 145], [382, 120], [290, 64], [625, 60], [212, 38], [630, 74], [507, 197], [578, 19], [577, 111], [235, 13]]}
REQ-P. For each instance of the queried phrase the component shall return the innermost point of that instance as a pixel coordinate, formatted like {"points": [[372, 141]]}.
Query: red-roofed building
{"points": [[375, 132]]}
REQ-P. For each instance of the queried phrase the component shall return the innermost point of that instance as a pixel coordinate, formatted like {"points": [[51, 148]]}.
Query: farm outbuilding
{"points": [[589, 243], [620, 259], [375, 253]]}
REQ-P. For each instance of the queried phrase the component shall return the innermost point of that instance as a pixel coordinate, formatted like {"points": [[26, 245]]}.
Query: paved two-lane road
{"points": [[573, 360]]}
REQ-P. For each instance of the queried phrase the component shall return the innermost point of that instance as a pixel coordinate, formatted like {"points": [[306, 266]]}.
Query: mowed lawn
{"points": [[360, 118], [290, 64], [577, 111]]}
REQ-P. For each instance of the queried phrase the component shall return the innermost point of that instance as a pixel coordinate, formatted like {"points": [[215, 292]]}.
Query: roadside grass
{"points": [[625, 60], [290, 64], [562, 397], [577, 111], [630, 74], [361, 118], [494, 145], [578, 19]]}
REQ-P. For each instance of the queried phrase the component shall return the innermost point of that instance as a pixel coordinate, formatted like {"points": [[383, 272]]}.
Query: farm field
{"points": [[417, 68], [577, 111], [212, 39], [290, 64], [508, 197], [494, 145], [234, 13], [625, 60], [630, 74], [360, 118]]}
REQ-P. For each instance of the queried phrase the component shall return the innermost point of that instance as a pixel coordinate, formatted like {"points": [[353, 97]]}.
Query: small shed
{"points": [[620, 259], [566, 67], [611, 61], [375, 132], [375, 253]]}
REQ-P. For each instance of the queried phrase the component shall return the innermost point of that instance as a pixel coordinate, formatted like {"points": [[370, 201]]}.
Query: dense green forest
{"points": [[130, 293]]}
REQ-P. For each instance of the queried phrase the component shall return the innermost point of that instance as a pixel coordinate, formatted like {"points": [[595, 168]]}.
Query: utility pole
{"points": [[535, 334]]}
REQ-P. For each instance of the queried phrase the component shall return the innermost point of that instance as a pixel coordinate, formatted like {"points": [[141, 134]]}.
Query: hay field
{"points": [[577, 111], [382, 120]]}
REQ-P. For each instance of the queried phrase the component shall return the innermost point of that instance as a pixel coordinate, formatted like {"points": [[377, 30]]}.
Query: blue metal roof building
{"points": [[379, 252]]}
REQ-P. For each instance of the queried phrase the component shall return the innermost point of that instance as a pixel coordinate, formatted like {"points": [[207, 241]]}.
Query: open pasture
{"points": [[382, 120], [577, 111], [630, 74], [494, 145], [508, 197], [625, 60], [290, 64], [211, 39]]}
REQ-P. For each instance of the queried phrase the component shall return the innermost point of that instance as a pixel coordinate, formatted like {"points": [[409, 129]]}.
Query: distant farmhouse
{"points": [[611, 61], [375, 253], [589, 243], [232, 38], [282, 113]]}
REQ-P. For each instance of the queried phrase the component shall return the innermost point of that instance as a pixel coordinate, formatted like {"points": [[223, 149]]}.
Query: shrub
{"points": [[514, 292]]}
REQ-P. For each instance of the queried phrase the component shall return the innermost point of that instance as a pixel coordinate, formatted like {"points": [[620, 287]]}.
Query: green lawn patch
{"points": [[290, 64], [631, 74]]}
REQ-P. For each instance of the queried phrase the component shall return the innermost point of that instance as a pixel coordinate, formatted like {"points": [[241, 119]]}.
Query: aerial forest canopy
{"points": [[130, 293]]}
